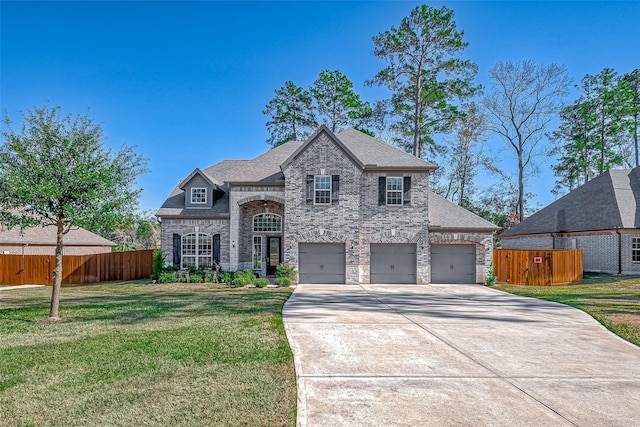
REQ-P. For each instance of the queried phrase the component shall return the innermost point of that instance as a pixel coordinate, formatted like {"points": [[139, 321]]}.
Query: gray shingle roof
{"points": [[607, 202], [444, 214], [266, 168], [47, 236], [371, 151]]}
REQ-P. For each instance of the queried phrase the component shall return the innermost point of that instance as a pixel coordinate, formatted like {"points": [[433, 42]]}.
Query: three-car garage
{"points": [[390, 263]]}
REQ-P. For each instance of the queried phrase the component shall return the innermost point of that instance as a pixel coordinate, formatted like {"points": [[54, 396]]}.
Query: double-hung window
{"points": [[635, 249], [322, 190], [197, 250], [394, 190], [198, 196]]}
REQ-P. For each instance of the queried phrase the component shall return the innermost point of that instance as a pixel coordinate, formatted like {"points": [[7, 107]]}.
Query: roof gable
{"points": [[210, 180], [607, 202], [332, 137]]}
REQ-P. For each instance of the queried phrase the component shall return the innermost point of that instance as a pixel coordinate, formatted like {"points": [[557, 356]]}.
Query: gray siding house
{"points": [[341, 208], [602, 218], [42, 241]]}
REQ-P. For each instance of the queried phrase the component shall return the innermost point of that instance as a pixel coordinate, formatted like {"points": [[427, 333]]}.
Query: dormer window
{"points": [[198, 196]]}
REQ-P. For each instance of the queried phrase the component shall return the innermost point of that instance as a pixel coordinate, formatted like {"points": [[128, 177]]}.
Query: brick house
{"points": [[601, 218], [341, 208]]}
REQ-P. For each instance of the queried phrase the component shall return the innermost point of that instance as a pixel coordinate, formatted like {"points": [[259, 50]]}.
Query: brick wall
{"points": [[356, 220], [394, 224], [240, 195], [542, 242], [187, 226], [323, 223]]}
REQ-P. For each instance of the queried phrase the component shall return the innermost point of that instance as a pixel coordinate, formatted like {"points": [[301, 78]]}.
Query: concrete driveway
{"points": [[435, 355]]}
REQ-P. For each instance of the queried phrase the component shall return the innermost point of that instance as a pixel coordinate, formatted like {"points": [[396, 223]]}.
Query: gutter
{"points": [[619, 251]]}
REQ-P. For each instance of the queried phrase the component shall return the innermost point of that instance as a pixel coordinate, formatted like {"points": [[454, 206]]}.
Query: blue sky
{"points": [[186, 82]]}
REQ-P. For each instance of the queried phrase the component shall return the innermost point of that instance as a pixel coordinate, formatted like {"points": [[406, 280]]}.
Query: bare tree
{"points": [[524, 98], [463, 158]]}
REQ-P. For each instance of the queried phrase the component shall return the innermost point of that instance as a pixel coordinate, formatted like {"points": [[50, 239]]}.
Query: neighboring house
{"points": [[42, 241], [341, 208], [601, 218]]}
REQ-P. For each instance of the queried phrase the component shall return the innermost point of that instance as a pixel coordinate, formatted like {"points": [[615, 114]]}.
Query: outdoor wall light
{"points": [[233, 243]]}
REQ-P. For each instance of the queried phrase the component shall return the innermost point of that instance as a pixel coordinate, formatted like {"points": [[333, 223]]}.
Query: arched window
{"points": [[197, 251], [267, 222]]}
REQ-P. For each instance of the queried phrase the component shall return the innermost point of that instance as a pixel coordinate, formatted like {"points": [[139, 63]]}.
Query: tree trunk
{"points": [[635, 136], [57, 272], [602, 142], [520, 212], [417, 143], [417, 137]]}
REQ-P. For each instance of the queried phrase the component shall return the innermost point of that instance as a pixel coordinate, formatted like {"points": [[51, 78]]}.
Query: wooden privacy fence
{"points": [[76, 269], [543, 267]]}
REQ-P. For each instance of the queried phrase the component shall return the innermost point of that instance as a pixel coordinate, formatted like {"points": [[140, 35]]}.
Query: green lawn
{"points": [[186, 355], [612, 300]]}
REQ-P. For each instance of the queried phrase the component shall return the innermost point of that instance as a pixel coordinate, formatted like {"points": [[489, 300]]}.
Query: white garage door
{"points": [[393, 263], [321, 263], [453, 263]]}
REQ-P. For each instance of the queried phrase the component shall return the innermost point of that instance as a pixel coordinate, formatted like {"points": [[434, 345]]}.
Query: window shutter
{"points": [[382, 190], [177, 249], [406, 197], [335, 189], [309, 188], [216, 248]]}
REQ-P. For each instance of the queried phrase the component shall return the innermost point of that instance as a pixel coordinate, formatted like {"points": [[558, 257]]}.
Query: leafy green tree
{"points": [[524, 98], [142, 231], [291, 115], [56, 171], [629, 87], [596, 132], [425, 74], [608, 106], [337, 104], [575, 145]]}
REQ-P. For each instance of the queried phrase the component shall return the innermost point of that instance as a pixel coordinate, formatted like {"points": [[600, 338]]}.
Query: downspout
{"points": [[619, 251], [553, 236]]}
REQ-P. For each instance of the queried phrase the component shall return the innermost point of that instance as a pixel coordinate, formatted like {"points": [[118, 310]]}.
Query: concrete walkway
{"points": [[437, 355], [8, 288]]}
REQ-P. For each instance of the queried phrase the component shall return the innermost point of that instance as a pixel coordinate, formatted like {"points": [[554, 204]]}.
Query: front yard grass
{"points": [[613, 301], [183, 354]]}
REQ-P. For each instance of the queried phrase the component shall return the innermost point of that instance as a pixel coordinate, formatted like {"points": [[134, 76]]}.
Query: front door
{"points": [[273, 255]]}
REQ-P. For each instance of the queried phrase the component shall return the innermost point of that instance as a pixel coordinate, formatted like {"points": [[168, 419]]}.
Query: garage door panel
{"points": [[393, 263], [453, 264], [321, 263]]}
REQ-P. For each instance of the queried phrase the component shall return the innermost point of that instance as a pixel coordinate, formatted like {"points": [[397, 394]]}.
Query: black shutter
{"points": [[335, 189], [310, 188], [216, 249], [177, 249], [382, 190], [406, 197]]}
